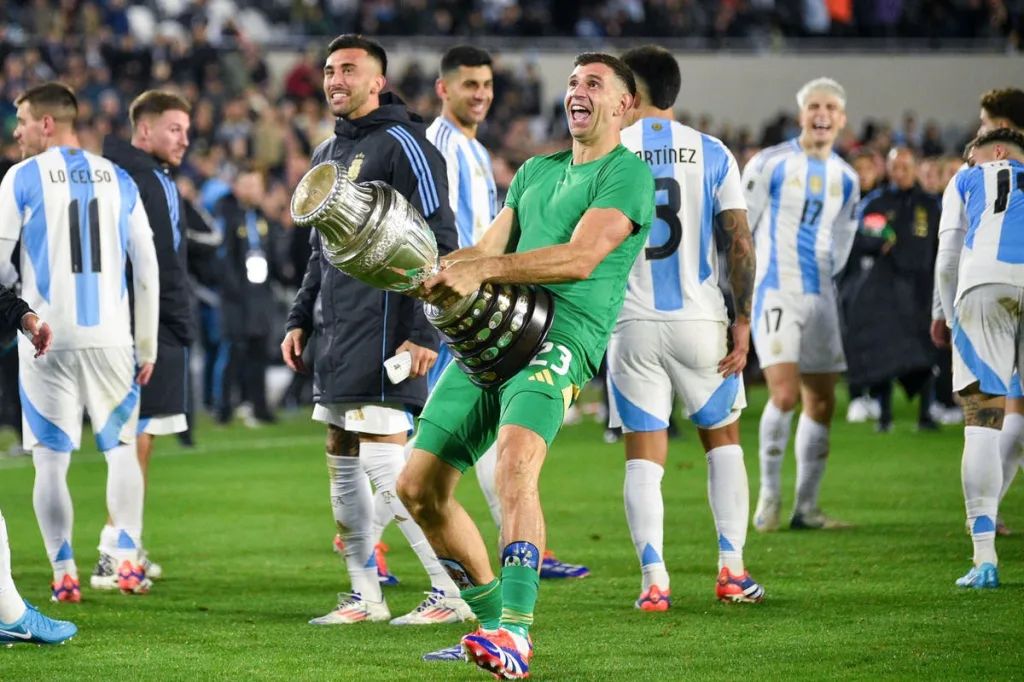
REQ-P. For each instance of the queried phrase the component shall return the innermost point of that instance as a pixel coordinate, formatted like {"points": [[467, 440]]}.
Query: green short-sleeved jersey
{"points": [[549, 196]]}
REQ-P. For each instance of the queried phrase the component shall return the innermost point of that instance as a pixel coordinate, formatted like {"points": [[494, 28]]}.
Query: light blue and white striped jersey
{"points": [[989, 198], [803, 212], [695, 178], [473, 195], [79, 217]]}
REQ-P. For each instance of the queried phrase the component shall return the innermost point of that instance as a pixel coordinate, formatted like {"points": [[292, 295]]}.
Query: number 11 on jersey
{"points": [[92, 220]]}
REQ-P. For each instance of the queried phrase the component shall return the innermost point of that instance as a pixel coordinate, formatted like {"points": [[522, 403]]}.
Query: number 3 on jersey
{"points": [[668, 201]]}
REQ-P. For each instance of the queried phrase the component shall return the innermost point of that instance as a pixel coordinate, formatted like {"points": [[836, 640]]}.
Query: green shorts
{"points": [[461, 420]]}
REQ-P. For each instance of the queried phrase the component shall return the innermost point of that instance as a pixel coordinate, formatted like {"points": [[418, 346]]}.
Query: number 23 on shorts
{"points": [[556, 359]]}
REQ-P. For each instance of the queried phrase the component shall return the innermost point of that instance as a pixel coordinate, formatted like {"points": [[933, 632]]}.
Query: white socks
{"points": [[1010, 448], [981, 473], [11, 605], [383, 463], [125, 497], [352, 503], [54, 512], [485, 472], [645, 513], [773, 438], [729, 495], [811, 458], [382, 514]]}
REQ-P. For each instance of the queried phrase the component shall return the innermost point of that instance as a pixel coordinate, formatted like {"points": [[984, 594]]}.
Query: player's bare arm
{"points": [[734, 234], [598, 233], [493, 243]]}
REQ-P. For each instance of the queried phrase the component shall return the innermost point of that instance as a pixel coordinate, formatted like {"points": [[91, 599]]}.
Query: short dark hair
{"points": [[657, 71], [464, 55], [968, 148], [354, 41], [621, 71], [1005, 135], [53, 98], [1005, 103], [155, 103]]}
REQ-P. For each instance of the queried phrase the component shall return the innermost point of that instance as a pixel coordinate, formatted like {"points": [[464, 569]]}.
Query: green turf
{"points": [[243, 528]]}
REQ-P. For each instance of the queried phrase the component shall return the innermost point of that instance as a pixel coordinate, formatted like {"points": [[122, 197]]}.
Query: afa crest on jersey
{"points": [[355, 167], [920, 222]]}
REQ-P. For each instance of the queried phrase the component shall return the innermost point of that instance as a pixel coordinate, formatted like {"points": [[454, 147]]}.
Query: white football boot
{"points": [[435, 609]]}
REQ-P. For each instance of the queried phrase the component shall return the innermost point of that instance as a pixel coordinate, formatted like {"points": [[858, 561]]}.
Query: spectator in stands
{"points": [[246, 299]]}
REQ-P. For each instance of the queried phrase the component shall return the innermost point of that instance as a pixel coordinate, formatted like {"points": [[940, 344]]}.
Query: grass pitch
{"points": [[242, 526]]}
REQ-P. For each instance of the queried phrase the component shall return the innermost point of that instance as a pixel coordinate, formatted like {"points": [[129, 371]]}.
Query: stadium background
{"points": [[241, 522]]}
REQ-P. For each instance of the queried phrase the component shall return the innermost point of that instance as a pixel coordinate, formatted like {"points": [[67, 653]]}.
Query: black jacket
{"points": [[363, 326], [246, 308], [886, 299], [166, 211], [204, 240], [12, 309]]}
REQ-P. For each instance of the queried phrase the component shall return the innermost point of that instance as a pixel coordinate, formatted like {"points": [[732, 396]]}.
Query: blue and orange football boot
{"points": [[496, 652], [553, 569], [131, 578], [737, 588], [66, 590], [654, 599]]}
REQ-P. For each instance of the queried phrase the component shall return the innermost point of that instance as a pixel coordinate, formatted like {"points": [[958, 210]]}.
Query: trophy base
{"points": [[517, 322]]}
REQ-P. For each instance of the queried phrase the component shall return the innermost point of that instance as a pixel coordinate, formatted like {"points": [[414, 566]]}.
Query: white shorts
{"points": [[988, 339], [58, 386], [649, 362], [163, 425], [798, 328], [381, 419]]}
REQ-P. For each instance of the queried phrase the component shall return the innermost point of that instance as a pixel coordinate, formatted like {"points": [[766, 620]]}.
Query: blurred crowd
{"points": [[715, 21]]}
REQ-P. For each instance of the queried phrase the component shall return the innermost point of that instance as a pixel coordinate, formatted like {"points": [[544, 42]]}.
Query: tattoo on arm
{"points": [[735, 236]]}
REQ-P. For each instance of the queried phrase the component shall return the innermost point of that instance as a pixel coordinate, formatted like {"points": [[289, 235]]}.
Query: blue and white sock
{"points": [[645, 514], [729, 495], [981, 473]]}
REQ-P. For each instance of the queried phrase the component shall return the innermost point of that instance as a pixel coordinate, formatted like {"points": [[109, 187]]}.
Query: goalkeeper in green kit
{"points": [[574, 223]]}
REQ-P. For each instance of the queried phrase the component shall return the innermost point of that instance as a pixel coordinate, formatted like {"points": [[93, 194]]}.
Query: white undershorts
{"points": [[381, 419]]}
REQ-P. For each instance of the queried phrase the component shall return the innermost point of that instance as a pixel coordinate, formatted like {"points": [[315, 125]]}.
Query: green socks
{"points": [[507, 602], [485, 602], [520, 581]]}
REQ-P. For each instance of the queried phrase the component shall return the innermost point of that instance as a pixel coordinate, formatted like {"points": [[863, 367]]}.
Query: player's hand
{"points": [[145, 374], [940, 334], [422, 358], [291, 350], [42, 335], [736, 360], [459, 278]]}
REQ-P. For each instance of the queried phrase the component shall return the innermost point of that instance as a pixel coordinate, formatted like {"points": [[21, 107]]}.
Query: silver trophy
{"points": [[370, 232]]}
